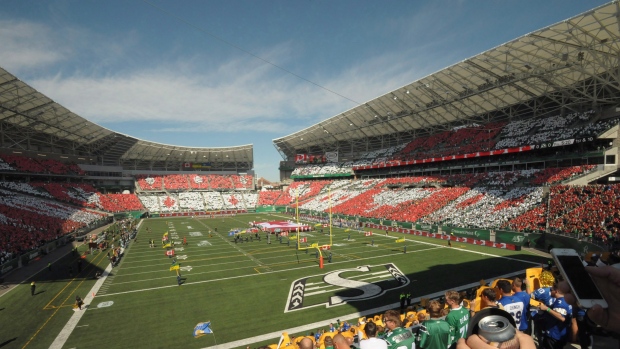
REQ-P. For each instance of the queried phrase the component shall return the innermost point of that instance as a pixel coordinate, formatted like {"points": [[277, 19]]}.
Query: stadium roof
{"points": [[31, 121], [572, 65]]}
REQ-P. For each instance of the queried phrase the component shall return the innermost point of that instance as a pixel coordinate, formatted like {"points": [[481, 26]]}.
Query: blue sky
{"points": [[224, 73]]}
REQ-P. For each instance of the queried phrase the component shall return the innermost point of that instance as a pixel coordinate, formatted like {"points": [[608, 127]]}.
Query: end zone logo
{"points": [[343, 286]]}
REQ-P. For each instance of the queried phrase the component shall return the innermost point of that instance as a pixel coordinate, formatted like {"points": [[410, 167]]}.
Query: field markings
{"points": [[64, 334], [243, 252], [319, 324], [382, 257]]}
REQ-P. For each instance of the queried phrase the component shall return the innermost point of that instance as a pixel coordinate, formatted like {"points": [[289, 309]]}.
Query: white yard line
{"points": [[64, 334]]}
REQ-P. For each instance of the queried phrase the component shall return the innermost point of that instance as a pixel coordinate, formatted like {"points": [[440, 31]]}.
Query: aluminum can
{"points": [[496, 328]]}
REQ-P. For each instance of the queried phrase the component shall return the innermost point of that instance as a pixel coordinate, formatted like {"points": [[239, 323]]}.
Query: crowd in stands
{"points": [[586, 211], [197, 181], [27, 222], [556, 175], [79, 194], [327, 169], [220, 182], [176, 182], [184, 182], [150, 182], [39, 166], [198, 201], [119, 202], [268, 197], [476, 138], [242, 181], [502, 200], [191, 201]]}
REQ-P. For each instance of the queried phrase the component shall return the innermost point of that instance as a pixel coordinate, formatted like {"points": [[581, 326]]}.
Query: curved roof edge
{"points": [[547, 63], [52, 127]]}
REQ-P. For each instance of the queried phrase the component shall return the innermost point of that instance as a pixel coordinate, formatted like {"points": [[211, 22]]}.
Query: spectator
{"points": [[513, 305], [517, 288], [396, 335], [435, 333], [306, 343], [457, 318], [372, 342], [340, 342], [556, 321]]}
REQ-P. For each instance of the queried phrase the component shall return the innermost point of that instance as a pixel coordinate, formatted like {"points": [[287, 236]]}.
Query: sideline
{"points": [[66, 331], [64, 334]]}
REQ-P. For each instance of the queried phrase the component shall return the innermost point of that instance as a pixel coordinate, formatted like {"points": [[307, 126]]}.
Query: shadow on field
{"points": [[360, 286], [60, 266], [7, 341]]}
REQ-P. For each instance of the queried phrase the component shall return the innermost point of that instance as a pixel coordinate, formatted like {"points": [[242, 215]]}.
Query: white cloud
{"points": [[27, 45], [241, 94]]}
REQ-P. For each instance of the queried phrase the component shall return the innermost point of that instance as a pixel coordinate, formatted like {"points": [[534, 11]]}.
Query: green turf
{"points": [[241, 288]]}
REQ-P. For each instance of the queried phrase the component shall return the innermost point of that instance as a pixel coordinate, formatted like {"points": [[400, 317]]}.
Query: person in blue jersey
{"points": [[544, 296], [556, 321], [513, 305], [518, 291]]}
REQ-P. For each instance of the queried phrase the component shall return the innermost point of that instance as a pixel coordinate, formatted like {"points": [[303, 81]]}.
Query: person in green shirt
{"points": [[457, 318], [397, 337], [435, 333]]}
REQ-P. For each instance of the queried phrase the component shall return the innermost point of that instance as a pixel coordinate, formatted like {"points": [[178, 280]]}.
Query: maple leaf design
{"points": [[233, 200], [169, 202]]}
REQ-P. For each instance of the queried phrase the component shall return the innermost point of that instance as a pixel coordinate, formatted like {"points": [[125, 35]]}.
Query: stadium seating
{"points": [[150, 182], [198, 181], [213, 200], [220, 182], [587, 210], [41, 166], [176, 182], [250, 200], [28, 222], [119, 202], [242, 181], [150, 202], [558, 175], [267, 197], [232, 201], [192, 201]]}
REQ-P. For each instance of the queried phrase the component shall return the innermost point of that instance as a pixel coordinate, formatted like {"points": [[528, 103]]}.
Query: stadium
{"points": [[454, 181]]}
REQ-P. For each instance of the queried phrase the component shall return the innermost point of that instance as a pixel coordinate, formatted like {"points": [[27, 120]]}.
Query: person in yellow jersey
{"points": [[33, 286]]}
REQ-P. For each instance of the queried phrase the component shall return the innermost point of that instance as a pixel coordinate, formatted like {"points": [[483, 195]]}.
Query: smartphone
{"points": [[572, 269]]}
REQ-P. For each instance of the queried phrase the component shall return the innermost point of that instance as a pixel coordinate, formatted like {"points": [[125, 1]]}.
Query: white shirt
{"points": [[373, 343]]}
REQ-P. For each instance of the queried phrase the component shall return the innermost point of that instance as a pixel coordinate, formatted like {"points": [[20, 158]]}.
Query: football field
{"points": [[250, 291]]}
